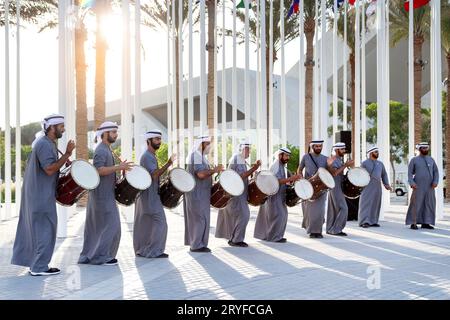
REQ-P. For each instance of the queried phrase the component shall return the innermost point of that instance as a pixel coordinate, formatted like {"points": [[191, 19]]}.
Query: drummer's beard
{"points": [[111, 139], [155, 146]]}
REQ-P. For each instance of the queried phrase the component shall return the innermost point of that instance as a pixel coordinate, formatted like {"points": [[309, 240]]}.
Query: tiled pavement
{"points": [[391, 262]]}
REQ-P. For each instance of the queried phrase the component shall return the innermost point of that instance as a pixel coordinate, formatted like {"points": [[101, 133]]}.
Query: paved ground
{"points": [[391, 262]]}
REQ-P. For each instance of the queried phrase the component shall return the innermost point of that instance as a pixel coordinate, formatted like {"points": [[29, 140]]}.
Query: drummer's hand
{"points": [[127, 166], [172, 158], [434, 185], [350, 163], [388, 187], [218, 168], [70, 147], [294, 178], [257, 164], [414, 186]]}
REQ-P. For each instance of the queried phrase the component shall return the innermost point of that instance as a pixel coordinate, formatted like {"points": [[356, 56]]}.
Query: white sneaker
{"points": [[49, 272]]}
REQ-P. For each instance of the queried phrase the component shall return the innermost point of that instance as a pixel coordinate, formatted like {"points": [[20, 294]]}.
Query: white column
{"points": [[283, 78], [175, 136], [234, 79], [138, 129], [190, 84], [335, 72], [316, 114], [301, 82], [263, 123], [411, 87], [436, 102], [126, 124], [357, 119], [270, 102], [323, 106], [224, 91], [216, 116], [169, 87], [257, 142], [203, 110], [344, 77], [363, 83], [7, 120], [181, 157], [246, 71], [18, 182]]}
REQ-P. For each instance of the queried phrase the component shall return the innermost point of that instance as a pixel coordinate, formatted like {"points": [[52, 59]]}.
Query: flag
{"points": [[293, 8], [417, 4], [352, 2], [241, 5]]}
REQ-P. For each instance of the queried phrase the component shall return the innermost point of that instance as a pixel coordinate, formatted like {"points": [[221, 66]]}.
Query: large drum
{"points": [[177, 183], [230, 185], [75, 181], [301, 190], [354, 182], [132, 184], [264, 184], [322, 181]]}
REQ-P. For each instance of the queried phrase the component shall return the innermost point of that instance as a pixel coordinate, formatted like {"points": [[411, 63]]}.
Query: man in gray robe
{"points": [[313, 211], [102, 227], [423, 177], [196, 204], [273, 215], [36, 230], [150, 226], [370, 199], [337, 206], [233, 219]]}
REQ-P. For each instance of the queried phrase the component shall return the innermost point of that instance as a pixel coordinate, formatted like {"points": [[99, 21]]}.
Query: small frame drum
{"points": [[230, 185], [178, 182], [322, 181], [265, 184], [354, 182], [75, 181], [301, 190], [130, 186]]}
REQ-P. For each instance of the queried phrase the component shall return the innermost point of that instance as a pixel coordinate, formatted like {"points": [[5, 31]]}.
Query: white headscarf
{"points": [[51, 120], [154, 133], [373, 149], [238, 151], [336, 146], [425, 145], [198, 155], [105, 127]]}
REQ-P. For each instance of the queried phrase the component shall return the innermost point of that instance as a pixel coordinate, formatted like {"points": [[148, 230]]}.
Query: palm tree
{"points": [[445, 39], [30, 11], [399, 19], [211, 47]]}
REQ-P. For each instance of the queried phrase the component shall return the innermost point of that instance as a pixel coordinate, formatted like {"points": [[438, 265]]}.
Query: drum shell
{"points": [[68, 191], [255, 196], [219, 197], [169, 195], [318, 186], [350, 190], [291, 196], [125, 193]]}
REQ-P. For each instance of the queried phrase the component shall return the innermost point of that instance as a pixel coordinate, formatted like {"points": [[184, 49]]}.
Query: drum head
{"points": [[358, 177], [139, 178], [231, 182], [326, 178], [182, 180], [267, 182], [304, 189], [85, 174]]}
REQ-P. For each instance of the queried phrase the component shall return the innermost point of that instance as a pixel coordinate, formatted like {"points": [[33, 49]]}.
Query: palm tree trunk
{"points": [[418, 42], [211, 67], [352, 85], [177, 93], [447, 129], [100, 61], [309, 79]]}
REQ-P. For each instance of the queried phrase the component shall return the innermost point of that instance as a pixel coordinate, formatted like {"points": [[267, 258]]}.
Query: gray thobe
{"points": [[273, 215], [102, 227], [370, 199], [337, 206], [313, 211], [196, 205], [233, 219], [423, 172], [150, 226], [36, 230]]}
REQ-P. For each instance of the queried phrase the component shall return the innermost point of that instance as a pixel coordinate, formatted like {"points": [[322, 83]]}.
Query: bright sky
{"points": [[39, 64]]}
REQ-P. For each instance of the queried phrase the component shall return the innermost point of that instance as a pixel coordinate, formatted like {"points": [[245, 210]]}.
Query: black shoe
{"points": [[414, 227], [112, 262], [343, 234], [427, 226], [313, 235], [365, 225], [49, 272], [319, 236], [282, 240], [163, 255], [237, 244], [375, 225], [204, 249]]}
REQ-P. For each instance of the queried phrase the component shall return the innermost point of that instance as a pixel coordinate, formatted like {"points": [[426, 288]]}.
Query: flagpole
{"points": [[203, 110], [301, 82], [137, 82], [180, 156], [215, 114], [411, 123], [436, 105], [262, 124], [224, 91], [234, 79], [323, 107], [190, 83], [335, 72], [357, 119], [344, 85], [363, 81], [316, 114], [258, 83], [175, 137], [18, 182], [270, 102], [169, 87], [246, 72], [7, 120], [283, 79]]}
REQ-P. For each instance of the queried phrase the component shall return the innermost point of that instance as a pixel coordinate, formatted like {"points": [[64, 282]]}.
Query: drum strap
{"points": [[315, 163]]}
